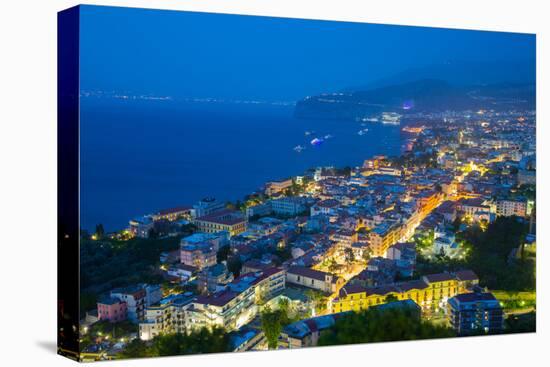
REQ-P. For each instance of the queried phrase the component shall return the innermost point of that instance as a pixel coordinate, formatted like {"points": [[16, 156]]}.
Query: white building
{"points": [[310, 278], [217, 240], [259, 210], [141, 226], [135, 298], [167, 316], [231, 308], [206, 206], [509, 207], [288, 205]]}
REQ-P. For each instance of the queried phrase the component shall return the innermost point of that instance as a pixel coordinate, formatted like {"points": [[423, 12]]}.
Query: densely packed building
{"points": [[350, 236]]}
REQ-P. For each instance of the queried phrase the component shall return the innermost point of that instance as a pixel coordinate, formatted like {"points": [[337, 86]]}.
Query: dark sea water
{"points": [[139, 156]]}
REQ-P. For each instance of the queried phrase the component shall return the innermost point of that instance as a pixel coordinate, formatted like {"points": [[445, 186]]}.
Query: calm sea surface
{"points": [[141, 156]]}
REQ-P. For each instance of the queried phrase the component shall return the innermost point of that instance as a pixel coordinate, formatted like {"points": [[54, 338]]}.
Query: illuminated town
{"points": [[436, 242]]}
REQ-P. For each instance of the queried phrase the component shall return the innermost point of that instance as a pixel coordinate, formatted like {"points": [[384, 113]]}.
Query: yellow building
{"points": [[276, 187], [231, 221], [431, 292], [383, 236], [427, 201]]}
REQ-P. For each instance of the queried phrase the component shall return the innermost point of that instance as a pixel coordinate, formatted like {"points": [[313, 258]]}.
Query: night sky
{"points": [[187, 54]]}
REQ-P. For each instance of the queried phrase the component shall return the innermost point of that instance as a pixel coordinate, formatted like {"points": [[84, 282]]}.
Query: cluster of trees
{"points": [[283, 253], [375, 325], [524, 323], [107, 264], [424, 240], [527, 191], [294, 190], [234, 265], [206, 340], [223, 253], [408, 160], [317, 300], [273, 322], [349, 256], [99, 231], [104, 328], [488, 254]]}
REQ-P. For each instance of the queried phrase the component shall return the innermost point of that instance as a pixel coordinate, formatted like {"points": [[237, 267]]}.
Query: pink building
{"points": [[112, 309]]}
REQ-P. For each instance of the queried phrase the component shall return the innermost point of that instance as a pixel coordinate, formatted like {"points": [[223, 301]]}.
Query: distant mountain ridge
{"points": [[426, 95], [461, 73]]}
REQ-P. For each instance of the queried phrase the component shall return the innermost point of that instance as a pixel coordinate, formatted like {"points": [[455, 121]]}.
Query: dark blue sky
{"points": [[186, 54]]}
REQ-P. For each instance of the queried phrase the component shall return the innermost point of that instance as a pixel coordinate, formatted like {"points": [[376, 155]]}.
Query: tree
{"points": [[425, 240], [367, 253], [333, 265], [88, 301], [284, 252], [223, 253], [284, 305], [349, 255], [99, 231], [316, 299], [272, 325], [239, 205], [234, 265]]}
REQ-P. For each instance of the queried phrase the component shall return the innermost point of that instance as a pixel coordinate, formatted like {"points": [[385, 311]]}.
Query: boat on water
{"points": [[328, 136], [391, 118], [299, 148], [369, 119], [317, 141], [362, 131]]}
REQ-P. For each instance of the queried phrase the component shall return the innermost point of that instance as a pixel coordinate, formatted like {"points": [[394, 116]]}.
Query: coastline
{"points": [[126, 177]]}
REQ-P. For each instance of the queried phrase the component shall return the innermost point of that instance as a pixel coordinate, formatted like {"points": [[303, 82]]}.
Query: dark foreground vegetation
{"points": [[489, 256], [375, 325]]}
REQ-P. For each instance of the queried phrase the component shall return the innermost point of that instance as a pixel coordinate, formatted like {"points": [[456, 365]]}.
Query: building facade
{"points": [[314, 279], [288, 206], [383, 236], [199, 255], [471, 313], [111, 309], [431, 293], [206, 206], [276, 187], [135, 299], [233, 222], [173, 214], [141, 227], [509, 207]]}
